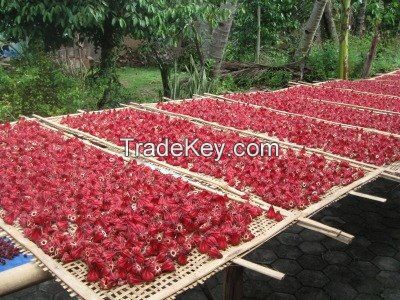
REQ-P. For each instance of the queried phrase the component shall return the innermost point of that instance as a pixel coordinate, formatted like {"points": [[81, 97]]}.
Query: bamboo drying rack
{"points": [[199, 268], [344, 125], [393, 168], [72, 275], [354, 106]]}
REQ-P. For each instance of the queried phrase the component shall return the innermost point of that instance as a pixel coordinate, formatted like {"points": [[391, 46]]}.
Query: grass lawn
{"points": [[143, 84]]}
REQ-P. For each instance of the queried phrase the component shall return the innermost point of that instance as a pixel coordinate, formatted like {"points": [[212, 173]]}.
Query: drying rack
{"points": [[200, 267]]}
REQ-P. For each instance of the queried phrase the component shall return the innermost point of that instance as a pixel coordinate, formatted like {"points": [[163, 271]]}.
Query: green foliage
{"points": [[323, 58], [385, 12], [280, 20], [198, 80], [56, 22], [38, 85], [194, 80], [142, 84]]}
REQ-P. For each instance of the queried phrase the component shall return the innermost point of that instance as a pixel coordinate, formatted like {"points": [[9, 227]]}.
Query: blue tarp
{"points": [[15, 262]]}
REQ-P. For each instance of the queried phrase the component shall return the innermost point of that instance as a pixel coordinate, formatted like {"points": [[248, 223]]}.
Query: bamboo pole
{"points": [[369, 197], [344, 40], [260, 136], [259, 269], [376, 110], [326, 230], [179, 170], [21, 277]]}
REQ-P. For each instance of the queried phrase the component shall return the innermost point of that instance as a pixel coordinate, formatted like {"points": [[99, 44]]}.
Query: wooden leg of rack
{"points": [[233, 283]]}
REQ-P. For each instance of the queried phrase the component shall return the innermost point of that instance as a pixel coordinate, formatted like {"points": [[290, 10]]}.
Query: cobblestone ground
{"points": [[317, 267]]}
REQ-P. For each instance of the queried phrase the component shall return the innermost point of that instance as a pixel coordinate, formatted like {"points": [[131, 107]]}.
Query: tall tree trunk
{"points": [[258, 46], [309, 32], [371, 54], [344, 40], [202, 38], [330, 22], [199, 50], [318, 34], [165, 70], [109, 44], [360, 26], [220, 37]]}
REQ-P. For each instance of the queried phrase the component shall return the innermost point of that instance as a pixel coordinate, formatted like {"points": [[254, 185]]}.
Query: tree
{"points": [[344, 40], [168, 34], [309, 32], [258, 45], [220, 36], [372, 53], [330, 22], [53, 23], [360, 25], [212, 40]]}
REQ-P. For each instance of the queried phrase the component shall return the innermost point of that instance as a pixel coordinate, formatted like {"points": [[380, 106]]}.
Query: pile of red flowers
{"points": [[128, 223], [357, 144], [298, 103], [293, 179], [344, 96], [7, 251], [390, 77], [370, 86]]}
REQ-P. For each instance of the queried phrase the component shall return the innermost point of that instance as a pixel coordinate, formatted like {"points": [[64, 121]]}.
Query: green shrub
{"points": [[36, 84], [323, 59]]}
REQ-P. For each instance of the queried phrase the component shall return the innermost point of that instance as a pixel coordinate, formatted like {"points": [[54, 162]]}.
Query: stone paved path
{"points": [[317, 267]]}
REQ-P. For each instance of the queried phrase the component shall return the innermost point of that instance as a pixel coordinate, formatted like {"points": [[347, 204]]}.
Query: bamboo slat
{"points": [[388, 112], [326, 230], [366, 196], [259, 269]]}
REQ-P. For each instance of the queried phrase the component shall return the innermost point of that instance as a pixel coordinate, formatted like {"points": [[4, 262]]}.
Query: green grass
{"points": [[143, 84]]}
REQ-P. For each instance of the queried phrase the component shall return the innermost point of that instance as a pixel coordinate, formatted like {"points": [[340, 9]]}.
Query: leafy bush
{"points": [[323, 60], [36, 84]]}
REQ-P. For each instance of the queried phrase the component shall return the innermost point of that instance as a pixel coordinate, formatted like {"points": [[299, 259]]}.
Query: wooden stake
{"points": [[259, 269], [391, 177], [233, 283], [369, 197], [326, 230]]}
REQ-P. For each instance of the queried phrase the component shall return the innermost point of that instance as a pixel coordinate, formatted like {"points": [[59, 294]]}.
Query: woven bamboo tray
{"points": [[332, 195], [198, 269], [389, 168]]}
